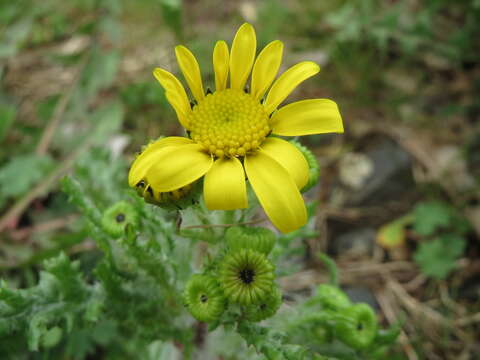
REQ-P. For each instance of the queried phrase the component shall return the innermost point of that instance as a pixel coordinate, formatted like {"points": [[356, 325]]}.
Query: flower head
{"points": [[204, 298], [246, 276], [357, 326], [230, 132], [117, 217], [266, 308]]}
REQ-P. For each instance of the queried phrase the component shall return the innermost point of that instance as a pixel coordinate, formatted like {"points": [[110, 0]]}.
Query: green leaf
{"points": [[429, 216], [22, 172], [437, 257], [69, 276]]}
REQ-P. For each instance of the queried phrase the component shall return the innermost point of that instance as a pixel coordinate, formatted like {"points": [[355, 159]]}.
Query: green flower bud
{"points": [[265, 308], [116, 217], [313, 168], [246, 276], [204, 298], [332, 298], [254, 238], [357, 326]]}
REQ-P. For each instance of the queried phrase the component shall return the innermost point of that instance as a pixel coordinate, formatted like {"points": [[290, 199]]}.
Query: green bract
{"points": [[254, 238], [266, 308], [246, 276], [204, 298], [178, 199], [116, 217], [313, 168]]}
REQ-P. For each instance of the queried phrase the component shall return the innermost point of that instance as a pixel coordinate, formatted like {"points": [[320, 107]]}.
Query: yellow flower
{"points": [[229, 131]]}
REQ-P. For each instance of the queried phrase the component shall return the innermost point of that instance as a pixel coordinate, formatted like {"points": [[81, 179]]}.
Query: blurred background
{"points": [[398, 200]]}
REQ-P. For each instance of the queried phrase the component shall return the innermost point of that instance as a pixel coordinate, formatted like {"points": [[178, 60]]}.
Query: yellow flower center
{"points": [[229, 123]]}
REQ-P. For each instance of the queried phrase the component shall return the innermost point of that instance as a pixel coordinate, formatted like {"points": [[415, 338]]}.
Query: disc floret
{"points": [[229, 123]]}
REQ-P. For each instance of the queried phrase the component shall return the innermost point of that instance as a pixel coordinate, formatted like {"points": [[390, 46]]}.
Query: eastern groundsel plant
{"points": [[232, 134], [153, 289]]}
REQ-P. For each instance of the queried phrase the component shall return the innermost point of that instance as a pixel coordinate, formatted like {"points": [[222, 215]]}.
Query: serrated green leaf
{"points": [[69, 276], [429, 216], [437, 258]]}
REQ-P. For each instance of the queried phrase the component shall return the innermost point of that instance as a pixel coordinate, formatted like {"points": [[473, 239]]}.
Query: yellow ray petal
{"points": [[242, 56], [175, 94], [220, 64], [266, 68], [178, 166], [314, 116], [224, 186], [289, 157], [190, 70], [277, 192], [147, 158], [287, 82]]}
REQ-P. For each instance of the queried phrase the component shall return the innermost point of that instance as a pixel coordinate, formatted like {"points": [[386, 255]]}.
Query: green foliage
{"points": [[271, 343], [337, 327], [432, 216], [437, 257], [446, 229], [22, 172], [442, 229], [39, 315]]}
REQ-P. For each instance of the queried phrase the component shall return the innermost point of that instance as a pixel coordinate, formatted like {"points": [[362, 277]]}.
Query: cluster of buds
{"points": [[244, 276], [355, 325]]}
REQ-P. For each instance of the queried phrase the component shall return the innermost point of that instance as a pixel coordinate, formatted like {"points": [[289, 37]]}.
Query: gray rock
{"points": [[390, 179]]}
